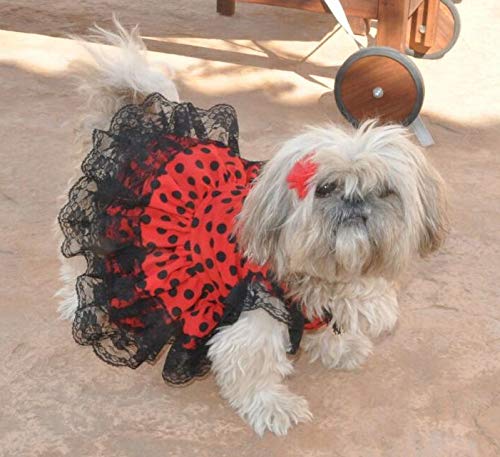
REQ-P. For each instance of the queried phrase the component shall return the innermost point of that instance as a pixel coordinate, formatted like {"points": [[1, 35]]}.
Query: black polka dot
{"points": [[195, 313], [217, 317], [206, 180], [214, 165], [181, 210], [176, 311], [191, 181], [157, 253], [205, 150], [195, 222], [163, 198], [228, 286], [221, 257], [172, 239], [216, 193], [162, 274], [199, 267], [165, 218], [203, 326], [230, 210], [159, 291], [197, 249], [238, 174], [208, 227], [182, 224], [173, 257], [174, 282], [221, 228], [235, 192], [172, 292], [188, 151], [199, 164], [187, 245], [233, 270], [193, 195], [209, 287], [209, 263], [161, 264], [145, 219], [179, 168], [141, 284], [176, 194], [208, 209], [227, 200], [155, 184], [151, 245], [211, 242], [232, 153], [188, 294], [190, 205], [161, 231]]}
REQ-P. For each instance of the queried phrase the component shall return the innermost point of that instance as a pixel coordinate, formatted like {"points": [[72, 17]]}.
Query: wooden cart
{"points": [[381, 81]]}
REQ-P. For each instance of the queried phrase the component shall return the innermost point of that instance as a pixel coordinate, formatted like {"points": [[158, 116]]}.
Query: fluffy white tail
{"points": [[118, 76]]}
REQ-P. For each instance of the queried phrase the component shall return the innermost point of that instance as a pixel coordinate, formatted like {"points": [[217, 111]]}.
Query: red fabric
{"points": [[193, 261]]}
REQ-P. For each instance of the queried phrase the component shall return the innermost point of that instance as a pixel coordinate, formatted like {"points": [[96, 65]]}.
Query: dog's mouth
{"points": [[355, 219], [352, 215]]}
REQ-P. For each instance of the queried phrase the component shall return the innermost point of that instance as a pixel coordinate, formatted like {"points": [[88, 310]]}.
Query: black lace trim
{"points": [[258, 292], [84, 219]]}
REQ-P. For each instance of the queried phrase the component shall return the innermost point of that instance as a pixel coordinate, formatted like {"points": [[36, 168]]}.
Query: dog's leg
{"points": [[362, 310], [345, 351], [249, 359]]}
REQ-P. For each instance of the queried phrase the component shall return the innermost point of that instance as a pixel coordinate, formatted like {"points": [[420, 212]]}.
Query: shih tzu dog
{"points": [[248, 254]]}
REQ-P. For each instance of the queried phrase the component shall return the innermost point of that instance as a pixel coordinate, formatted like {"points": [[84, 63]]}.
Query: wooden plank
{"points": [[226, 7], [431, 22], [417, 21], [359, 25], [393, 23], [359, 8], [414, 4]]}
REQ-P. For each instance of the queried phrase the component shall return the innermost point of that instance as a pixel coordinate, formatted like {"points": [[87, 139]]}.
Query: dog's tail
{"points": [[115, 78], [118, 77]]}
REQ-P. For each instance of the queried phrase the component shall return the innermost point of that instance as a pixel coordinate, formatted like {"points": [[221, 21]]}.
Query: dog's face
{"points": [[336, 204]]}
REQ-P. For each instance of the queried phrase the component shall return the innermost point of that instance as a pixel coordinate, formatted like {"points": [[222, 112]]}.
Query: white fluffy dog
{"points": [[374, 203]]}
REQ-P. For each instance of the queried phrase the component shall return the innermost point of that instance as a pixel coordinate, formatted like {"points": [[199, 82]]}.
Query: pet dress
{"points": [[154, 214]]}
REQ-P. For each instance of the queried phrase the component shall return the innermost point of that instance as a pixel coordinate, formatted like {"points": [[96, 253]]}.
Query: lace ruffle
{"points": [[136, 134]]}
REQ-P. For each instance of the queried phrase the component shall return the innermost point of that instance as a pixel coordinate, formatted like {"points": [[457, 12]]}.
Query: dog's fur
{"points": [[337, 254]]}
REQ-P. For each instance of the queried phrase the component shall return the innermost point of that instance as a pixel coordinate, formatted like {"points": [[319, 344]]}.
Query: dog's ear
{"points": [[432, 191], [265, 212]]}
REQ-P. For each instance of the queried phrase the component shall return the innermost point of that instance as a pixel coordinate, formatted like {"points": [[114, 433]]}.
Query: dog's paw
{"points": [[276, 410], [344, 351]]}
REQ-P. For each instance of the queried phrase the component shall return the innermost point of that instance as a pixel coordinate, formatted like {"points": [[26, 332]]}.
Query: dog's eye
{"points": [[325, 189]]}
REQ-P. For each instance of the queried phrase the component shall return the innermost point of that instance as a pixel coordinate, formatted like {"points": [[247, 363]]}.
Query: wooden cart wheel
{"points": [[379, 82], [447, 33]]}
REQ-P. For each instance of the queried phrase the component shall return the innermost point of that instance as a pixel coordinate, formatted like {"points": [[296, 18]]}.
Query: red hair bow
{"points": [[301, 174]]}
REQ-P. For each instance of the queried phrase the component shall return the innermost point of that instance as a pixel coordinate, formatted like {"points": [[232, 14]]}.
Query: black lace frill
{"points": [[85, 219]]}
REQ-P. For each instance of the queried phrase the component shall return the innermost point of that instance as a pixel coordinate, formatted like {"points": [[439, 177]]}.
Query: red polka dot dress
{"points": [[154, 215]]}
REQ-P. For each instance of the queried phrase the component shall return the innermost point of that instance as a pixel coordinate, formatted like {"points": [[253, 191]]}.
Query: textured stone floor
{"points": [[431, 389]]}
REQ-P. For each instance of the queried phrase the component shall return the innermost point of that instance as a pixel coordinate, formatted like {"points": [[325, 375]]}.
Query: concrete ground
{"points": [[431, 389]]}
